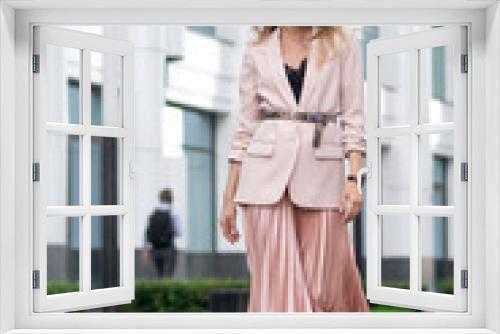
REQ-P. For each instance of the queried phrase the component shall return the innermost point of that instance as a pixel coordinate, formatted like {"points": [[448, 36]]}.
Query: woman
{"points": [[301, 114]]}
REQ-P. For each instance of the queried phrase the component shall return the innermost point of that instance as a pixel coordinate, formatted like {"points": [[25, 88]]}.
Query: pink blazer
{"points": [[277, 153]]}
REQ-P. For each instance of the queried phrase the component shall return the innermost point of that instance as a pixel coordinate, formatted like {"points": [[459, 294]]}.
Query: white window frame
{"points": [[454, 38], [16, 153], [86, 297]]}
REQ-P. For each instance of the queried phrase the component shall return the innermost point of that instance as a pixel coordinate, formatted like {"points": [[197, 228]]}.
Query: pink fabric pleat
{"points": [[300, 260]]}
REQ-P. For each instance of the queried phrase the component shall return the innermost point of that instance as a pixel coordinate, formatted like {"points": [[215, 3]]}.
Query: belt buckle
{"points": [[319, 121], [317, 118]]}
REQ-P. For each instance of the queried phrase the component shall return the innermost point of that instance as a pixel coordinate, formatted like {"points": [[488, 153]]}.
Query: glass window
{"points": [[82, 197], [105, 258], [437, 254], [395, 252], [199, 153], [63, 254], [394, 89], [208, 31]]}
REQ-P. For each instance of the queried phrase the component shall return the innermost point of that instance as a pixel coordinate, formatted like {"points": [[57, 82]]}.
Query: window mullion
{"points": [[414, 173], [85, 274]]}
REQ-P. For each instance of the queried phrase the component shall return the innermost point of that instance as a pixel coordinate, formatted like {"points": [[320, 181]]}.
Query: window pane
{"points": [[104, 171], [394, 89], [63, 169], [437, 254], [198, 151], [395, 166], [105, 247], [436, 170], [63, 254], [106, 91], [208, 31], [436, 85], [63, 88], [395, 251], [369, 33]]}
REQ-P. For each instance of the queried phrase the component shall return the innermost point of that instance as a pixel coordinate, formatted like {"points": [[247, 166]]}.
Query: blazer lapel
{"points": [[278, 72]]}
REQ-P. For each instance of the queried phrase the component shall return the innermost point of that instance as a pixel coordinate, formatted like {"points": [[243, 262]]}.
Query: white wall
{"points": [[226, 126]]}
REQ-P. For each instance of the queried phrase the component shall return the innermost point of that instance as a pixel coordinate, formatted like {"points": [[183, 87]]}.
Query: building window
{"points": [[198, 144], [368, 33], [208, 31], [438, 73]]}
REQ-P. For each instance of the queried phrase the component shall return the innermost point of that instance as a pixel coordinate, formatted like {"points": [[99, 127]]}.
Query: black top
{"points": [[296, 77]]}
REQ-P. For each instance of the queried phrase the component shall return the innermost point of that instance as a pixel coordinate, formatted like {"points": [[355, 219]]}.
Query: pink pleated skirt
{"points": [[300, 260]]}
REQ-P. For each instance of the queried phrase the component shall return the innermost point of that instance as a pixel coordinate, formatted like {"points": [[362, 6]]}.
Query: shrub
{"points": [[168, 295]]}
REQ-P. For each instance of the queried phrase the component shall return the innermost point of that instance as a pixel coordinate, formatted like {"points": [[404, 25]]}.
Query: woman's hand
{"points": [[228, 221], [352, 201], [228, 215]]}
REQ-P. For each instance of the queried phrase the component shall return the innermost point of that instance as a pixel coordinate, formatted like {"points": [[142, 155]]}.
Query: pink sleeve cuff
{"points": [[235, 155]]}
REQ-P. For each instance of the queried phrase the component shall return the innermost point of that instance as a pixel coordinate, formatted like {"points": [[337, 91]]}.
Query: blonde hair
{"points": [[328, 38]]}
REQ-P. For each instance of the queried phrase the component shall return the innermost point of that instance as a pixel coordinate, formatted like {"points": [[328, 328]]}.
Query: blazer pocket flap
{"points": [[260, 149], [329, 152]]}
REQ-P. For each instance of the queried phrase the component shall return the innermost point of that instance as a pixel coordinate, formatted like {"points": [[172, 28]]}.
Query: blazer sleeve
{"points": [[247, 107], [352, 100]]}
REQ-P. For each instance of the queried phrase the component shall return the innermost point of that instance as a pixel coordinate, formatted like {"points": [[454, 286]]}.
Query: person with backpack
{"points": [[163, 227]]}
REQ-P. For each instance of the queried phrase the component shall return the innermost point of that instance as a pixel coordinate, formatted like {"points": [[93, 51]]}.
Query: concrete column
{"points": [[152, 45]]}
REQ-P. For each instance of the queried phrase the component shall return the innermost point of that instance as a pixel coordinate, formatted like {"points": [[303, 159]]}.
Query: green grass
{"points": [[387, 308], [54, 287]]}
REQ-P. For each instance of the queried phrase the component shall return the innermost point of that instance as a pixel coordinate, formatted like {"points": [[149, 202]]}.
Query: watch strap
{"points": [[352, 178]]}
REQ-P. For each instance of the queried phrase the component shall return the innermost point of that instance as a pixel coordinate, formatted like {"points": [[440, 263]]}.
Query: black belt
{"points": [[318, 118]]}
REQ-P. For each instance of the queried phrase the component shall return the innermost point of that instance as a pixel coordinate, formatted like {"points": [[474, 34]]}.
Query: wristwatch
{"points": [[352, 178]]}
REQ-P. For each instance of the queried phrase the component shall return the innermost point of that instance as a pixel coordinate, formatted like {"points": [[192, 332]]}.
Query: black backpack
{"points": [[160, 231]]}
